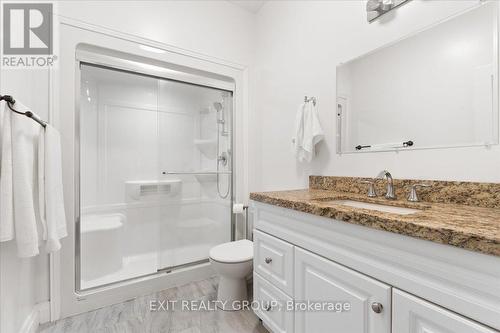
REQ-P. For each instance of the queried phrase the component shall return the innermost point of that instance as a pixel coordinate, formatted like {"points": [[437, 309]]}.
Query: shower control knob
{"points": [[223, 158], [268, 260], [377, 307]]}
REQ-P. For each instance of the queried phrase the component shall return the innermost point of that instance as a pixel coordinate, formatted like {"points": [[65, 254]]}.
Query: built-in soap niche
{"points": [[147, 189]]}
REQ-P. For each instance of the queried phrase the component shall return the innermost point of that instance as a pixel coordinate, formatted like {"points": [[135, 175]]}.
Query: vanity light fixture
{"points": [[376, 8]]}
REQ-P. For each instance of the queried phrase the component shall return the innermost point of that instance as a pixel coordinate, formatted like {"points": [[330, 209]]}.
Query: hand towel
{"points": [[51, 196], [313, 133], [299, 131], [308, 132], [19, 216]]}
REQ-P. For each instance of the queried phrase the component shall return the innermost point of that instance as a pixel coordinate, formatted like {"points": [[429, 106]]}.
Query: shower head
{"points": [[218, 106]]}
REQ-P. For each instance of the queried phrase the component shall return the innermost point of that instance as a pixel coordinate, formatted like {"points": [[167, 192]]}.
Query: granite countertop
{"points": [[469, 227]]}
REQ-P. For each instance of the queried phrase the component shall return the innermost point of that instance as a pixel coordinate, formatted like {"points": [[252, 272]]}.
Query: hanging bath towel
{"points": [[308, 132], [51, 199], [299, 131], [19, 211]]}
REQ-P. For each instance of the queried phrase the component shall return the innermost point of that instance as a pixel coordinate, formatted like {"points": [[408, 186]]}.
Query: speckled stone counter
{"points": [[462, 193], [473, 227]]}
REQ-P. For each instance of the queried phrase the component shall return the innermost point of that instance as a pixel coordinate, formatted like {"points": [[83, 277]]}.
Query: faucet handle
{"points": [[413, 197], [371, 188]]}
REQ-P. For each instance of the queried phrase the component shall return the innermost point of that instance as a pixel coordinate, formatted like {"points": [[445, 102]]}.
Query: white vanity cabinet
{"points": [[321, 280], [393, 283]]}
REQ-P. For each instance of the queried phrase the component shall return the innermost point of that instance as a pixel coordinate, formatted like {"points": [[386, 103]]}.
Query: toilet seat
{"points": [[233, 252]]}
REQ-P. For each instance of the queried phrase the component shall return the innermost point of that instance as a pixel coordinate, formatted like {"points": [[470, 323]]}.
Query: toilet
{"points": [[233, 262]]}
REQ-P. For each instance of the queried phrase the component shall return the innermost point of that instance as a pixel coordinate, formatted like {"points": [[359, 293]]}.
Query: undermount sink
{"points": [[378, 207]]}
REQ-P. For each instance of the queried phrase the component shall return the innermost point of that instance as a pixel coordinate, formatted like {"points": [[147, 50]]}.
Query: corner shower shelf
{"points": [[206, 146], [201, 176], [206, 177], [197, 173], [205, 142], [205, 110]]}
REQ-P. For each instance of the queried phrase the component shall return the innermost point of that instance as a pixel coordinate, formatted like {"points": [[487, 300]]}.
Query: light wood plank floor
{"points": [[134, 316]]}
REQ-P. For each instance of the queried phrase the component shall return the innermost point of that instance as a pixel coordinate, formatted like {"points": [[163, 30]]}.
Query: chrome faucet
{"points": [[413, 197], [390, 185]]}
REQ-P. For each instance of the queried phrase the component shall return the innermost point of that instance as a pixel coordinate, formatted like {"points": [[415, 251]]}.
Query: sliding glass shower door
{"points": [[195, 157], [155, 174]]}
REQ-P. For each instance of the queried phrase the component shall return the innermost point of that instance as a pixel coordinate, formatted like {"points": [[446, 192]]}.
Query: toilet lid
{"points": [[237, 251]]}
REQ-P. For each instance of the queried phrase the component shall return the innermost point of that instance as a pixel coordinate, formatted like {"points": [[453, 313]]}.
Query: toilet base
{"points": [[231, 292], [233, 262]]}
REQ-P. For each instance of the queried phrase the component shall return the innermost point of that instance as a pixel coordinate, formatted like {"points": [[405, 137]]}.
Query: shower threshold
{"points": [[135, 269], [173, 268]]}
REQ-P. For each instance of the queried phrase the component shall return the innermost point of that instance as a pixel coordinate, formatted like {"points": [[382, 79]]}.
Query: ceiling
{"points": [[250, 5]]}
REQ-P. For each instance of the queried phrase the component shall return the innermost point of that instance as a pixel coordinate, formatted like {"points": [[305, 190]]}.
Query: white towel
{"points": [[51, 199], [299, 130], [6, 190], [308, 132], [19, 213], [6, 197]]}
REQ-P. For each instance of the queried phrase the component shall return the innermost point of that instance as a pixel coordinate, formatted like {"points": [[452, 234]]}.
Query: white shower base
{"points": [[181, 237], [147, 263], [133, 266]]}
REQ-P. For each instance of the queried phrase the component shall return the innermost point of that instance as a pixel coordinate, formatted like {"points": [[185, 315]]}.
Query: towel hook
{"points": [[310, 99]]}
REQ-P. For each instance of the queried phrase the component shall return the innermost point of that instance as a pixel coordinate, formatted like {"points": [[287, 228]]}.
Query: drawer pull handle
{"points": [[268, 260], [377, 307]]}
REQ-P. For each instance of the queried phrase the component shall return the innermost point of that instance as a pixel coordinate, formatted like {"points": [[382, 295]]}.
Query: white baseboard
{"points": [[39, 314]]}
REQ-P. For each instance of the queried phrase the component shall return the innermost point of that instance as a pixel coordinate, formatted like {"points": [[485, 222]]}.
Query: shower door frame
{"points": [[116, 64], [64, 298]]}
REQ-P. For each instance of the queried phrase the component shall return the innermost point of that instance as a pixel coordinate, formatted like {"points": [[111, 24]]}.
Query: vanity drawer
{"points": [[273, 260], [272, 304]]}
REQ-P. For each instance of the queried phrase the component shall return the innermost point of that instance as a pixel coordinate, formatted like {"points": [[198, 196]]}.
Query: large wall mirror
{"points": [[436, 88]]}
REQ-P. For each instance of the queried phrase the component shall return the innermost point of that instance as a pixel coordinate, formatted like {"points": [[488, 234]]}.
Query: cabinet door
{"points": [[414, 315], [272, 306], [273, 260], [320, 280]]}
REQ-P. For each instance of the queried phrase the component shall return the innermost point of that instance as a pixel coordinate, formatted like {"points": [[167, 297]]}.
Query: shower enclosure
{"points": [[155, 181]]}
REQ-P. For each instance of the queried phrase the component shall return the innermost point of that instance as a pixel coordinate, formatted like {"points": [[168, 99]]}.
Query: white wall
{"points": [[299, 44], [214, 28]]}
